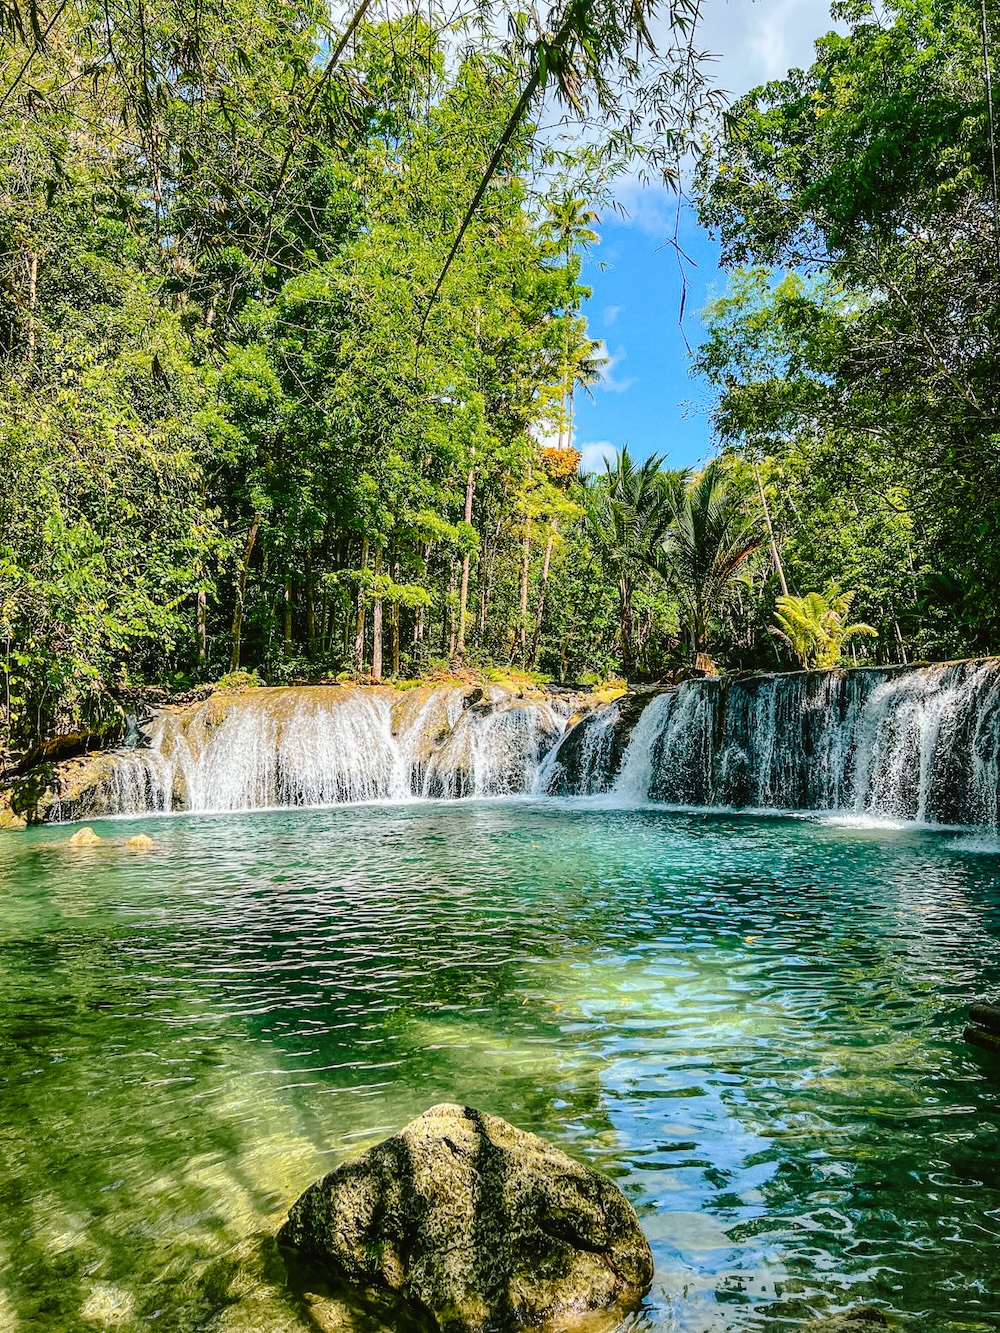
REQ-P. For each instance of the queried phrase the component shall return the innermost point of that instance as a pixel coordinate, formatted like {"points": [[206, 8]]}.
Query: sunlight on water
{"points": [[753, 1024]]}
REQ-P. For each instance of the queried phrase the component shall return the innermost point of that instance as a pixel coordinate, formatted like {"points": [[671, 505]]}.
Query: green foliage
{"points": [[714, 530], [627, 513], [234, 432], [673, 545], [238, 681], [856, 348], [816, 626], [272, 393]]}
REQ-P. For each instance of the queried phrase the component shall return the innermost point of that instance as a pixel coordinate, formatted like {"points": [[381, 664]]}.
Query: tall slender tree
{"points": [[628, 511], [714, 529]]}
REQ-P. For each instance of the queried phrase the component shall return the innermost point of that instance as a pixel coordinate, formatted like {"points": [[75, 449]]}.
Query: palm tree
{"points": [[569, 224], [627, 511], [714, 529], [815, 626]]}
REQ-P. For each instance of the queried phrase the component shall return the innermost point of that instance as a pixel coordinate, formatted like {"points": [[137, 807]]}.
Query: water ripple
{"points": [[752, 1024]]}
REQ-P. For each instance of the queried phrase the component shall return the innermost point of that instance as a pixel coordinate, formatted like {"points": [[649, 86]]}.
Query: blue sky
{"points": [[648, 399]]}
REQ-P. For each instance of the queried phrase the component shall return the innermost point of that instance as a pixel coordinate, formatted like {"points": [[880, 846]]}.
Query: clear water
{"points": [[753, 1024]]}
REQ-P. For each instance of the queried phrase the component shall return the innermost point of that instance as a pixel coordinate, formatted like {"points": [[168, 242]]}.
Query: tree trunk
{"points": [[899, 640], [202, 626], [335, 630], [241, 588], [625, 627], [32, 304], [420, 620], [523, 601], [487, 566], [377, 624], [699, 643], [463, 596], [450, 629], [359, 613], [396, 574], [310, 604], [286, 614], [565, 416], [775, 557], [377, 639], [565, 429], [540, 609]]}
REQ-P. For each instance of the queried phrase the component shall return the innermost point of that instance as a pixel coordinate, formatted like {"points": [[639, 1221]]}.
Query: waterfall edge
{"points": [[915, 743], [314, 746]]}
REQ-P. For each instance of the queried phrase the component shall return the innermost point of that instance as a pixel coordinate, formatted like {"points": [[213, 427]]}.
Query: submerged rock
{"points": [[862, 1319], [84, 837], [469, 1225], [141, 841]]}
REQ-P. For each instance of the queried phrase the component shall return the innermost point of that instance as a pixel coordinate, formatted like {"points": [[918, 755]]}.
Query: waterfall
{"points": [[920, 743], [319, 745], [913, 743], [585, 760], [493, 751], [635, 778]]}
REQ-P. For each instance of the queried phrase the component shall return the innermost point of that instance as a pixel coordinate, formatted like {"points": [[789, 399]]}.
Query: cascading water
{"points": [[493, 752], [920, 743], [909, 743], [326, 745], [635, 777], [586, 759]]}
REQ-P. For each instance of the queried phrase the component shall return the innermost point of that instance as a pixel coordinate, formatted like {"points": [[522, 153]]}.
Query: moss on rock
{"points": [[469, 1225]]}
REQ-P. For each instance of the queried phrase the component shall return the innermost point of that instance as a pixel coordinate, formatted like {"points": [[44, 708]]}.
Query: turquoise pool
{"points": [[753, 1024]]}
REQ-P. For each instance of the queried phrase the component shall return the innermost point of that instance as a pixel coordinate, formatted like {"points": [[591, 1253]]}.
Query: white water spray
{"points": [[920, 744], [326, 745]]}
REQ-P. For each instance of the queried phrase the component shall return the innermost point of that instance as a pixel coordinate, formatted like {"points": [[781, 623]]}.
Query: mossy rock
{"points": [[463, 1224]]}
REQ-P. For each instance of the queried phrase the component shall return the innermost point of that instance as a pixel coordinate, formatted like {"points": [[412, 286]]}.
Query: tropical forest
{"points": [[499, 666]]}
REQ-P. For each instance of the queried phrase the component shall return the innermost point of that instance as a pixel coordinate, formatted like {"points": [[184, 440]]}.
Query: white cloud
{"points": [[650, 208], [611, 313], [593, 456], [751, 42], [546, 437], [761, 40], [609, 380]]}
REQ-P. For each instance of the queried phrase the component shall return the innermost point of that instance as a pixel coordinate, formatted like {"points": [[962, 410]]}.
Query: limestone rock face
{"points": [[469, 1225]]}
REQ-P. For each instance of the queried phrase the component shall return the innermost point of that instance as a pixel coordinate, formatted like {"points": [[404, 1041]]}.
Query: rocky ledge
{"points": [[423, 718], [461, 1223]]}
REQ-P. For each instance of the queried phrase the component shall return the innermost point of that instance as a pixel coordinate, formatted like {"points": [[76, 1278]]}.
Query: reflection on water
{"points": [[753, 1024]]}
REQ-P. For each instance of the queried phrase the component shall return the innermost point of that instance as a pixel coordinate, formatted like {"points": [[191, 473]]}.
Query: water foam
{"points": [[327, 746], [921, 746]]}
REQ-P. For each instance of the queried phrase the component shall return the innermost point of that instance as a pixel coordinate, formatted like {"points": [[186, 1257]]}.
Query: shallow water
{"points": [[754, 1024]]}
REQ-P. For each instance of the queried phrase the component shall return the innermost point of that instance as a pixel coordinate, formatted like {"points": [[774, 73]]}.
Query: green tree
{"points": [[870, 177], [570, 223], [628, 510], [816, 626], [714, 529]]}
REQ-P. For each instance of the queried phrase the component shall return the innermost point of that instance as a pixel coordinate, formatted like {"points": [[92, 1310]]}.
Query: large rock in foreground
{"points": [[472, 1226]]}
